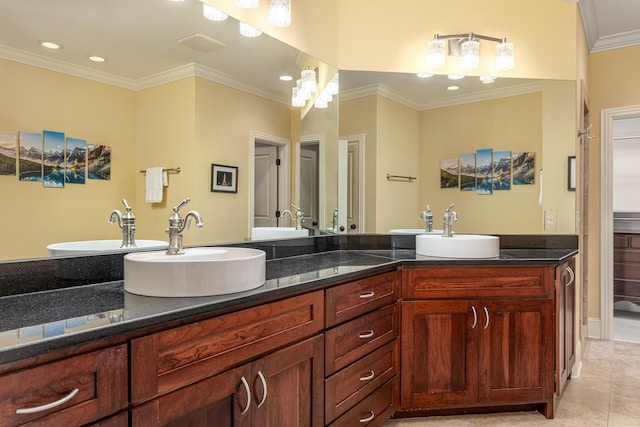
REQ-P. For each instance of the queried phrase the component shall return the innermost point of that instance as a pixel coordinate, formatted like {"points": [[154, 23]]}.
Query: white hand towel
{"points": [[155, 182]]}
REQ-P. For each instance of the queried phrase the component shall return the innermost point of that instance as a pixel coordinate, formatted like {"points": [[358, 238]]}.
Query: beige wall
{"points": [[513, 123], [35, 99], [612, 83]]}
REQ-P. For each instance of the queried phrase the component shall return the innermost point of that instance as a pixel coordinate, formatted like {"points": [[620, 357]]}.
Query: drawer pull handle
{"points": [[366, 335], [369, 294], [368, 377], [65, 399], [371, 416], [475, 317], [573, 276], [486, 313], [264, 384], [246, 387]]}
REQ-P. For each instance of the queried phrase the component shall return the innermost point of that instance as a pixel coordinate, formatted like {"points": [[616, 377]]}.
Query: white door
{"points": [[309, 192], [265, 186]]}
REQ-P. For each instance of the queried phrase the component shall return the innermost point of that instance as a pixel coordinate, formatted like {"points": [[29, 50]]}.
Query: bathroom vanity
{"points": [[347, 330]]}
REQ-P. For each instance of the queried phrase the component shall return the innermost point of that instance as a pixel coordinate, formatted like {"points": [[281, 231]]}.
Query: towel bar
{"points": [[170, 170]]}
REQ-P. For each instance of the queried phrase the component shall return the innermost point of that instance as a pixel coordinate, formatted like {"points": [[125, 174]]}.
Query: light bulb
{"points": [[504, 56], [470, 54], [309, 80], [280, 13], [435, 53]]}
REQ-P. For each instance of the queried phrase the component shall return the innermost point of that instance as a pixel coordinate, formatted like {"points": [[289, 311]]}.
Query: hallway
{"points": [[606, 394]]}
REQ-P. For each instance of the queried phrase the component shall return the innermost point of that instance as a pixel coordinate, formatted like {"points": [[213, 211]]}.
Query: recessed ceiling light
{"points": [[95, 58], [286, 78], [453, 87], [50, 45]]}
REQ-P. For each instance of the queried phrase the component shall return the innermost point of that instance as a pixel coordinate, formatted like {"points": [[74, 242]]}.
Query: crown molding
{"points": [[616, 41], [184, 71], [485, 95]]}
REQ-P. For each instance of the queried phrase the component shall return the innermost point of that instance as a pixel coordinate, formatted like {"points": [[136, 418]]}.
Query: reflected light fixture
{"points": [[487, 79], [280, 13], [249, 31], [213, 14], [455, 76], [424, 75], [467, 47], [246, 4]]}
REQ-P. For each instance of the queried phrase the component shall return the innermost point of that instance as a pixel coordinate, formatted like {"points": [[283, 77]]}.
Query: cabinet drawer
{"points": [[347, 387], [372, 411], [95, 382], [350, 300], [171, 359], [634, 241], [350, 341], [626, 255], [620, 241], [477, 282]]}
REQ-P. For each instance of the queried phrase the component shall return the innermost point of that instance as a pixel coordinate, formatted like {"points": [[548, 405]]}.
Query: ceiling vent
{"points": [[201, 43]]}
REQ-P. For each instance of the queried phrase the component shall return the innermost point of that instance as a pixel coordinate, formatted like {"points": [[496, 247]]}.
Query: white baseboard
{"points": [[593, 328]]}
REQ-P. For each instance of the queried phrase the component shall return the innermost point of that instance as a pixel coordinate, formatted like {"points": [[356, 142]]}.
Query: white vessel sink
{"points": [[96, 246], [458, 246], [269, 233], [198, 272], [411, 231]]}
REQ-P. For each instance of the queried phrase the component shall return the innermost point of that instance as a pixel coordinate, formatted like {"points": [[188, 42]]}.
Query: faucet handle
{"points": [[126, 205], [449, 208], [184, 202]]}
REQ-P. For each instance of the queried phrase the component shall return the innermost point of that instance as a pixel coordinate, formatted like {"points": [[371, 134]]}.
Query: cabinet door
{"points": [[565, 322], [289, 386], [516, 350], [439, 356], [223, 400]]}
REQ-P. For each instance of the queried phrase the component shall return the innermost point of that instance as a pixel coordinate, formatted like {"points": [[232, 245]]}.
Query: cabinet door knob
{"points": [[264, 384], [475, 317], [246, 387], [366, 335], [41, 408], [486, 313], [368, 376], [366, 295], [371, 416]]}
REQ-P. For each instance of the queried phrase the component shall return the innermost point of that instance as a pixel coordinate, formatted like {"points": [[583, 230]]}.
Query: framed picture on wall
{"points": [[224, 178]]}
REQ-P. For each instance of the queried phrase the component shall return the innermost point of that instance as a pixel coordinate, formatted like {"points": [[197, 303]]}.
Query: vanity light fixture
{"points": [[467, 47], [50, 45], [246, 4], [280, 13], [249, 31], [487, 79], [455, 76], [309, 83], [213, 14]]}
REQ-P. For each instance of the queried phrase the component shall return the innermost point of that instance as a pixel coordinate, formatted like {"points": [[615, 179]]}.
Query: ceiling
{"points": [[140, 40]]}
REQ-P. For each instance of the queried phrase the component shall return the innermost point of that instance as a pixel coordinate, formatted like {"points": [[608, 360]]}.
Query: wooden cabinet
{"points": [[284, 389], [477, 338], [70, 392], [626, 267], [565, 322], [361, 351]]}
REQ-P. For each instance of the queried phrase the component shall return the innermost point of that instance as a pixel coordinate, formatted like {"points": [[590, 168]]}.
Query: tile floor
{"points": [[626, 326], [607, 393]]}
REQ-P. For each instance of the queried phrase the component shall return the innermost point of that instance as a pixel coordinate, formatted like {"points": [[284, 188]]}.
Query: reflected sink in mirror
{"points": [[196, 273], [410, 231], [86, 247], [270, 233], [467, 246]]}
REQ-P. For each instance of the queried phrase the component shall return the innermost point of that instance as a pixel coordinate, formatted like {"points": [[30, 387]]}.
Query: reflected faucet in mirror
{"points": [[127, 223], [178, 225], [427, 217], [299, 216]]}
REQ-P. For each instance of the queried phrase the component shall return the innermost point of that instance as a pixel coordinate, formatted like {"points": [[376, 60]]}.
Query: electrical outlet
{"points": [[550, 220]]}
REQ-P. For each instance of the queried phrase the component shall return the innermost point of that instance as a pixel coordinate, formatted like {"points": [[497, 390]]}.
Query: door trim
{"points": [[607, 117], [284, 176], [359, 138], [320, 139]]}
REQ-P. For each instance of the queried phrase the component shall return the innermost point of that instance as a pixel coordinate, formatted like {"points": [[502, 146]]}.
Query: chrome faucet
{"points": [[299, 216], [127, 223], [449, 218], [427, 217], [178, 225]]}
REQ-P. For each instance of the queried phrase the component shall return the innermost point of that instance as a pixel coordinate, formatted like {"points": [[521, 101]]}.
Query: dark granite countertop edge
{"points": [[389, 260]]}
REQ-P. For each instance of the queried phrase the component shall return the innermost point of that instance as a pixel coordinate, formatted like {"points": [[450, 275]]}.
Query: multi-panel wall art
{"points": [[53, 159], [486, 171]]}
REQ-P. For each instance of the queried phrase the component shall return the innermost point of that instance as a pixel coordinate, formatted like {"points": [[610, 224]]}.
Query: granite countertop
{"points": [[55, 316]]}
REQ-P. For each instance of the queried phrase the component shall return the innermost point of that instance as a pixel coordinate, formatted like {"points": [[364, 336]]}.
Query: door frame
{"points": [[359, 138], [320, 139], [284, 180], [607, 118]]}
